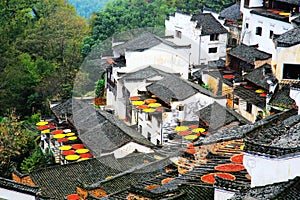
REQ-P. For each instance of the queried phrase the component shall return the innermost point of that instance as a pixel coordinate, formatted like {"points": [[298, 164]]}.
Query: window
{"points": [[246, 3], [214, 37], [149, 136], [178, 34], [258, 31], [212, 50], [271, 34], [149, 117], [249, 107], [157, 142], [291, 71], [236, 101], [247, 25]]}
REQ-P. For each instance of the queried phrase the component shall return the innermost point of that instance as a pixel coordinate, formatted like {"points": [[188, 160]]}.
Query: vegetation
{"points": [[16, 143], [85, 8], [40, 53]]}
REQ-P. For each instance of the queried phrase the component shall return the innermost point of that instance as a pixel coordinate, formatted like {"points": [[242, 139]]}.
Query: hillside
{"points": [[85, 8]]}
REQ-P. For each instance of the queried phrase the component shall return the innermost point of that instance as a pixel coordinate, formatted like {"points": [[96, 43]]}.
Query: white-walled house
{"points": [[272, 154], [180, 100], [149, 49], [262, 19], [12, 190], [286, 59], [203, 32], [130, 84]]}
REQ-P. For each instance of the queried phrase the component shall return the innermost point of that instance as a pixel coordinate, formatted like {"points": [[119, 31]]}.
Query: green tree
{"points": [[36, 160], [40, 53], [15, 143]]}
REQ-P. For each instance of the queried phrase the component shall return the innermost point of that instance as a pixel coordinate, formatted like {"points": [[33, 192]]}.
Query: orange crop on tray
{"points": [[237, 158], [209, 178], [230, 167]]}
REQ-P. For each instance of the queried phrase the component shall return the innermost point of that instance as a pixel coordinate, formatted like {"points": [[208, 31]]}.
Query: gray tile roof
{"points": [[19, 187], [282, 98], [109, 134], [249, 54], [175, 88], [231, 13], [217, 116], [296, 21], [260, 75], [289, 38], [170, 88], [282, 190], [144, 73], [250, 96], [279, 137], [208, 23], [123, 181], [145, 40], [61, 180], [294, 2]]}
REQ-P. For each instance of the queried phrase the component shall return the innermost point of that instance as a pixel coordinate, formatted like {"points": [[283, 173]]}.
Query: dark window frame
{"points": [[258, 31], [213, 50]]}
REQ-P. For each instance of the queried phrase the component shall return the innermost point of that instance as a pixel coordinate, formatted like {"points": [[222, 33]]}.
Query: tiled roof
{"points": [[170, 88], [61, 180], [109, 134], [282, 190], [217, 116], [250, 96], [19, 187], [63, 108], [265, 13], [279, 137], [260, 75], [249, 54], [296, 21], [145, 40], [134, 176], [175, 88], [231, 13], [294, 2], [144, 73], [227, 134], [208, 23], [289, 38], [282, 98]]}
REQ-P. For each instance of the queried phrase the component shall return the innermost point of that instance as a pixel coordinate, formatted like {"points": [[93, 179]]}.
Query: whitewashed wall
{"points": [[169, 59], [264, 170], [222, 194], [290, 55], [130, 148], [249, 36], [191, 35], [13, 195]]}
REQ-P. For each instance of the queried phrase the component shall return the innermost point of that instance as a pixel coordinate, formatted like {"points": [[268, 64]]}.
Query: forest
{"points": [[43, 43], [85, 8]]}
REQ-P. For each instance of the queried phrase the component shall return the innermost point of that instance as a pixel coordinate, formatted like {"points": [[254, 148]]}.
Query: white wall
{"points": [[249, 36], [129, 148], [288, 55], [196, 103], [222, 194], [264, 170], [13, 195], [152, 127], [170, 59], [191, 35]]}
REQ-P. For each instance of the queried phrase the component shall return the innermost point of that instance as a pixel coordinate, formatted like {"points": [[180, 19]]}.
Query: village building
{"points": [[12, 190], [264, 19], [203, 32]]}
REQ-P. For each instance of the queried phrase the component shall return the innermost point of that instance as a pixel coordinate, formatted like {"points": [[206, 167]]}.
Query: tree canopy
{"points": [[87, 7], [41, 53]]}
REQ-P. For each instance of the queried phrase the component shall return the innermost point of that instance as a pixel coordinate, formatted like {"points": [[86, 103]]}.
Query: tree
{"points": [[15, 143], [40, 53]]}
